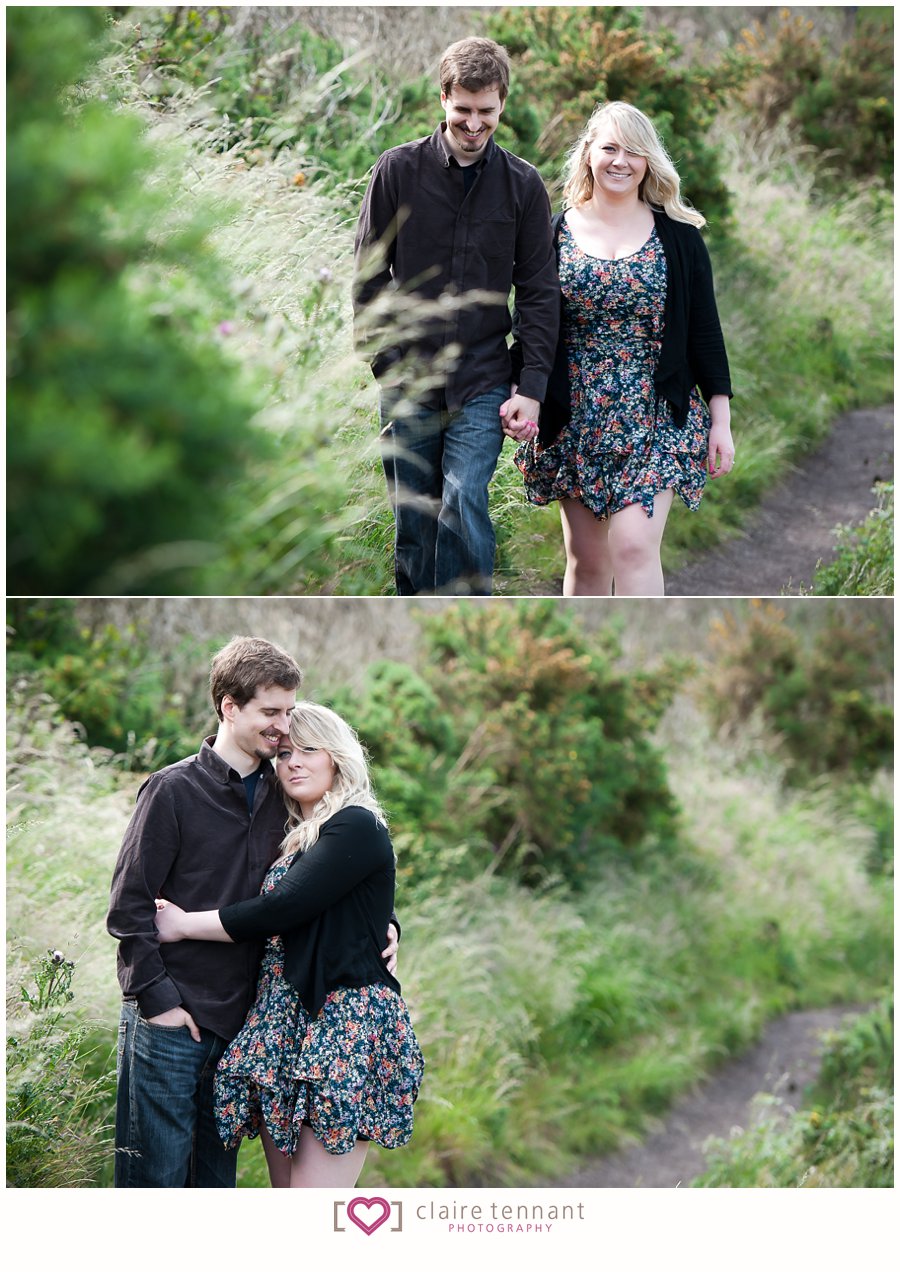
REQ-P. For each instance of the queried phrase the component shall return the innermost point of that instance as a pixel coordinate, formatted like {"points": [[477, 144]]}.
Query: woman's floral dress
{"points": [[621, 445], [351, 1072]]}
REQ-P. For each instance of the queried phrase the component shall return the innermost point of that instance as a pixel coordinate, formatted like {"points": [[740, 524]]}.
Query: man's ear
{"points": [[229, 706]]}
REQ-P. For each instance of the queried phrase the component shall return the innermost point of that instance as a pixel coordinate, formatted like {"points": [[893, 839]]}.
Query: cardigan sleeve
{"points": [[706, 344], [351, 846]]}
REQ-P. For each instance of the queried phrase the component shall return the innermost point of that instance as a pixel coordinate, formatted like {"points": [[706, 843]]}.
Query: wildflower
{"points": [[299, 179], [226, 328], [325, 275], [56, 956]]}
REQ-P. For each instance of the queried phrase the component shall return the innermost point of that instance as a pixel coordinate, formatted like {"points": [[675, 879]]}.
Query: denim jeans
{"points": [[438, 466], [166, 1136]]}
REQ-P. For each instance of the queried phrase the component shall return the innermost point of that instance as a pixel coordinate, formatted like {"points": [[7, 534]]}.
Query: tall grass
{"points": [[551, 1027]]}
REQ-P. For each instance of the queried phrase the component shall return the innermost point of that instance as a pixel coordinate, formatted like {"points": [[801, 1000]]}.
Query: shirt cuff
{"points": [[533, 385]]}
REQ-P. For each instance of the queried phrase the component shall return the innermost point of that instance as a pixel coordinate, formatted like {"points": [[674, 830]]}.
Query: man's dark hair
{"points": [[247, 664], [475, 64]]}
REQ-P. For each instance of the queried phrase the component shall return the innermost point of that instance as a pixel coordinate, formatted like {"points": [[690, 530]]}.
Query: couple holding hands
{"points": [[617, 384]]}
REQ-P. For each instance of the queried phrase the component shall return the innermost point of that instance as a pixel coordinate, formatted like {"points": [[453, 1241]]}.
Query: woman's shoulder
{"points": [[358, 819], [683, 231]]}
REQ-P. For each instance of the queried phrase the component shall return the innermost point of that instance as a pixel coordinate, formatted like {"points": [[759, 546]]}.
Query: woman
{"points": [[327, 1059], [623, 427]]}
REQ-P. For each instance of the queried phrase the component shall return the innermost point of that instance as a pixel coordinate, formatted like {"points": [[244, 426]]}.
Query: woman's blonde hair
{"points": [[660, 187], [313, 725]]}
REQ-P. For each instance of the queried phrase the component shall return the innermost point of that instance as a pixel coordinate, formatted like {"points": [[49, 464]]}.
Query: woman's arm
{"points": [[721, 445], [175, 924], [351, 846]]}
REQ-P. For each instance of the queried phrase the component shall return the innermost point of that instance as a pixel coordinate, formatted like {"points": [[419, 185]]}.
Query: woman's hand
{"points": [[169, 919], [390, 954], [721, 447]]}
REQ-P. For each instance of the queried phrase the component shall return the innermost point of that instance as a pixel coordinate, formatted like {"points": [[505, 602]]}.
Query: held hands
{"points": [[390, 954], [519, 416]]}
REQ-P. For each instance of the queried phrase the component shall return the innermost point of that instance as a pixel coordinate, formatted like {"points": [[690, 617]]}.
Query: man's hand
{"points": [[174, 1018], [390, 954], [519, 416]]}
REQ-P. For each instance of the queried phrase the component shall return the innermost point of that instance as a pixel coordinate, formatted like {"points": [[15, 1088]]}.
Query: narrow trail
{"points": [[792, 529], [784, 1062]]}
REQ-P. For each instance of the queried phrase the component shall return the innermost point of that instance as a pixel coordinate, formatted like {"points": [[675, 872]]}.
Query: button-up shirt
{"points": [[461, 251], [193, 840]]}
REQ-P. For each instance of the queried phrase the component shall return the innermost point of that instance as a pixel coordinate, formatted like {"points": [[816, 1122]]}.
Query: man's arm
{"points": [[373, 252], [536, 282], [149, 848]]}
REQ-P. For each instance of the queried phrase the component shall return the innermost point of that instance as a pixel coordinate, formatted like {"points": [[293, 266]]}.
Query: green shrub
{"points": [[122, 403], [520, 747], [824, 697], [109, 681], [840, 104], [573, 58]]}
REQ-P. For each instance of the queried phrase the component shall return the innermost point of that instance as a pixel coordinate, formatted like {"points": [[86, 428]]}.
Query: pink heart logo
{"points": [[369, 1204]]}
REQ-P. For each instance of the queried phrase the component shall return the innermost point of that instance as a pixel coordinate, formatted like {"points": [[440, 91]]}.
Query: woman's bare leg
{"points": [[279, 1163], [634, 544], [588, 563], [312, 1166]]}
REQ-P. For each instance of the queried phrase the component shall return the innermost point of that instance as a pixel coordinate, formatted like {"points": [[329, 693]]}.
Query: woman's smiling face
{"points": [[616, 170]]}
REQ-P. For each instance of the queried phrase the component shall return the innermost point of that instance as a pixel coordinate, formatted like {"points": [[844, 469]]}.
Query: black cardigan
{"points": [[693, 350], [332, 908]]}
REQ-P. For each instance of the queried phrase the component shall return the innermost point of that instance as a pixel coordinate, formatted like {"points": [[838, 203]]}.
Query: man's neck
{"points": [[464, 160], [233, 756]]}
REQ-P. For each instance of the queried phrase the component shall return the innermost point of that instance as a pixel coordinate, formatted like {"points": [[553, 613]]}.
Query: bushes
{"points": [[519, 747], [826, 697], [839, 104], [573, 58], [122, 403], [118, 690]]}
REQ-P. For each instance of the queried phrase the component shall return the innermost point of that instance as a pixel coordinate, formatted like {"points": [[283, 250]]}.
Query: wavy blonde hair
{"points": [[313, 725], [632, 129]]}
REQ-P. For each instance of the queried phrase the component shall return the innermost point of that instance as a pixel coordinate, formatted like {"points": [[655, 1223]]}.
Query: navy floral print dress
{"points": [[351, 1072], [621, 445]]}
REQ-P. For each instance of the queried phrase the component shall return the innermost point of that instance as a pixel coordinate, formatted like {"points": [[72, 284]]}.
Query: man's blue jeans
{"points": [[165, 1132], [438, 466]]}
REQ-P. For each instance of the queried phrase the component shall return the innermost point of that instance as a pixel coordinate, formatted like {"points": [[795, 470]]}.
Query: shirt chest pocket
{"points": [[495, 239]]}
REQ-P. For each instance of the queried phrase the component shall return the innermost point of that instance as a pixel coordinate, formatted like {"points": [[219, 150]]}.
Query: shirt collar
{"points": [[442, 151], [220, 769]]}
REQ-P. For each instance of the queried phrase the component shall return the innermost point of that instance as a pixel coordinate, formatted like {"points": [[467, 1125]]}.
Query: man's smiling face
{"points": [[472, 118]]}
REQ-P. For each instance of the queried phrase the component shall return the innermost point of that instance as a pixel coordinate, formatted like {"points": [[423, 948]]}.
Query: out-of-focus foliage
{"points": [[110, 681], [840, 104], [520, 746], [271, 86], [567, 60], [127, 424], [825, 696]]}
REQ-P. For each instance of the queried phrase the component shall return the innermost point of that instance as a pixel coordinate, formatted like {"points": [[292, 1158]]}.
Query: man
{"points": [[204, 832], [449, 224]]}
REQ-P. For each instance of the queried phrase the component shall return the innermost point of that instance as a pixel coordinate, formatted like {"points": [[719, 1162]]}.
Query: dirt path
{"points": [[791, 531], [783, 1063]]}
